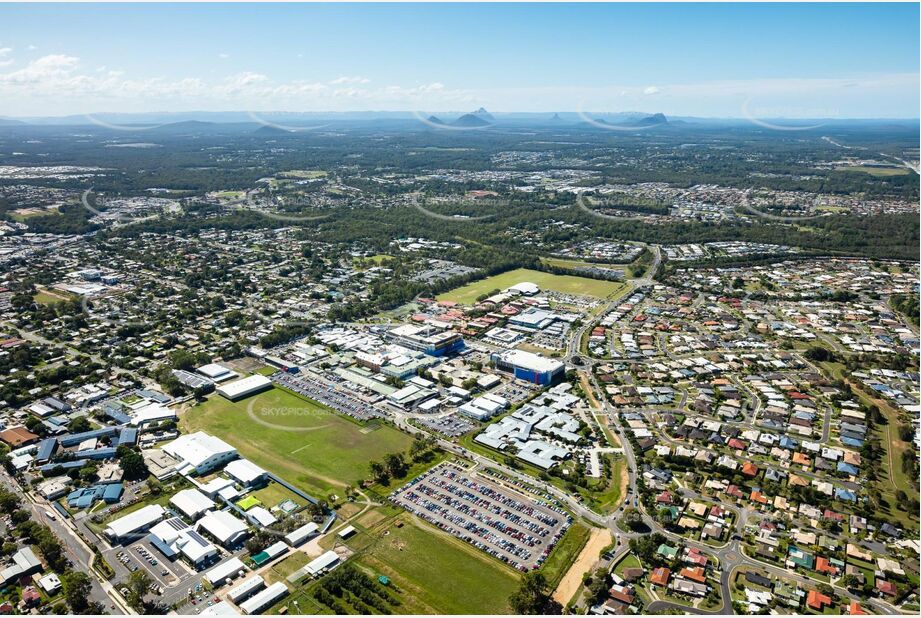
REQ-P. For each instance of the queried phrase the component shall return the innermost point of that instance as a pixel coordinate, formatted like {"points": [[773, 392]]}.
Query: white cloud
{"points": [[223, 56], [357, 79], [61, 84], [31, 48], [45, 70]]}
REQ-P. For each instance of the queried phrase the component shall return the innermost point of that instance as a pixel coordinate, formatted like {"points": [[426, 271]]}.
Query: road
{"points": [[78, 552]]}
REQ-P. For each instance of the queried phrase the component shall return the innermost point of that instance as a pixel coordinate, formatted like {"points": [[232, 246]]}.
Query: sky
{"points": [[709, 60]]}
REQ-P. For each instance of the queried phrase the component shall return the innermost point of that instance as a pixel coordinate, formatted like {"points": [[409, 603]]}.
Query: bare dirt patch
{"points": [[569, 585]]}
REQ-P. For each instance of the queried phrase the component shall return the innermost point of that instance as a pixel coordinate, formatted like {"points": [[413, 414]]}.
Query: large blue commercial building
{"points": [[529, 367]]}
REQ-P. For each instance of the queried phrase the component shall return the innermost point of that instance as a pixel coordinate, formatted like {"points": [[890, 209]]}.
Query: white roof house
{"points": [[192, 503], [200, 453], [228, 569], [245, 472], [50, 583], [135, 522], [224, 527]]}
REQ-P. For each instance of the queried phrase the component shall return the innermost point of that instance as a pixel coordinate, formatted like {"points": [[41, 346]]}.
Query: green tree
{"points": [[138, 586], [533, 596], [77, 586], [132, 463]]}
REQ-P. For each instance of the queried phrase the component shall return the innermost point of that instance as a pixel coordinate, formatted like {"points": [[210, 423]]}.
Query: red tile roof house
{"points": [[30, 596], [659, 577], [735, 492], [749, 469], [817, 601], [18, 436], [692, 555], [886, 587], [832, 516], [854, 609], [696, 574], [822, 565], [664, 498], [619, 593]]}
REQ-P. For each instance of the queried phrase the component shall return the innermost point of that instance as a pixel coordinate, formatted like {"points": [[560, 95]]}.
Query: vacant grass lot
{"points": [[305, 443], [566, 284], [433, 572], [892, 478]]}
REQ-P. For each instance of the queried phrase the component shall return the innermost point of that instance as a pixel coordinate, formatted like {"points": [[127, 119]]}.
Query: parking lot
{"points": [[497, 520], [514, 392], [451, 426], [328, 396]]}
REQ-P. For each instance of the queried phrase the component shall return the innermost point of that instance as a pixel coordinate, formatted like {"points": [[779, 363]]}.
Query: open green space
{"points": [[303, 174], [47, 298], [286, 567], [302, 441], [566, 284], [565, 553], [577, 263], [274, 494], [433, 572]]}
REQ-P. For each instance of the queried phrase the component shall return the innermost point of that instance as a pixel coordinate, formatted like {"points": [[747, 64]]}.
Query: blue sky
{"points": [[771, 60]]}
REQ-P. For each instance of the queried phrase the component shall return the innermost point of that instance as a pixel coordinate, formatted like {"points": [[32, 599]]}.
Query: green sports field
{"points": [[877, 171], [305, 443], [567, 284]]}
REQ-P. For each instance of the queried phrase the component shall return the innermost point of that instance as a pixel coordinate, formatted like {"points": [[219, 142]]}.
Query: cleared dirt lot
{"points": [[569, 585]]}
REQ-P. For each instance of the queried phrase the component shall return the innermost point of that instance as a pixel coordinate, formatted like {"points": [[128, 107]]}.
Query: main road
{"points": [[77, 551]]}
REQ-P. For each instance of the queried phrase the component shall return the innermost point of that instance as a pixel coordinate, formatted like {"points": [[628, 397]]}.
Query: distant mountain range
{"points": [[275, 123]]}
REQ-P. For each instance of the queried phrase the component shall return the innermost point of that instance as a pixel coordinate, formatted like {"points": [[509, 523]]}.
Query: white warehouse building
{"points": [[135, 523], [200, 453]]}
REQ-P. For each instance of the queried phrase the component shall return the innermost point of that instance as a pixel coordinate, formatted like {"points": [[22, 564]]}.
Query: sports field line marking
{"points": [[299, 449]]}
